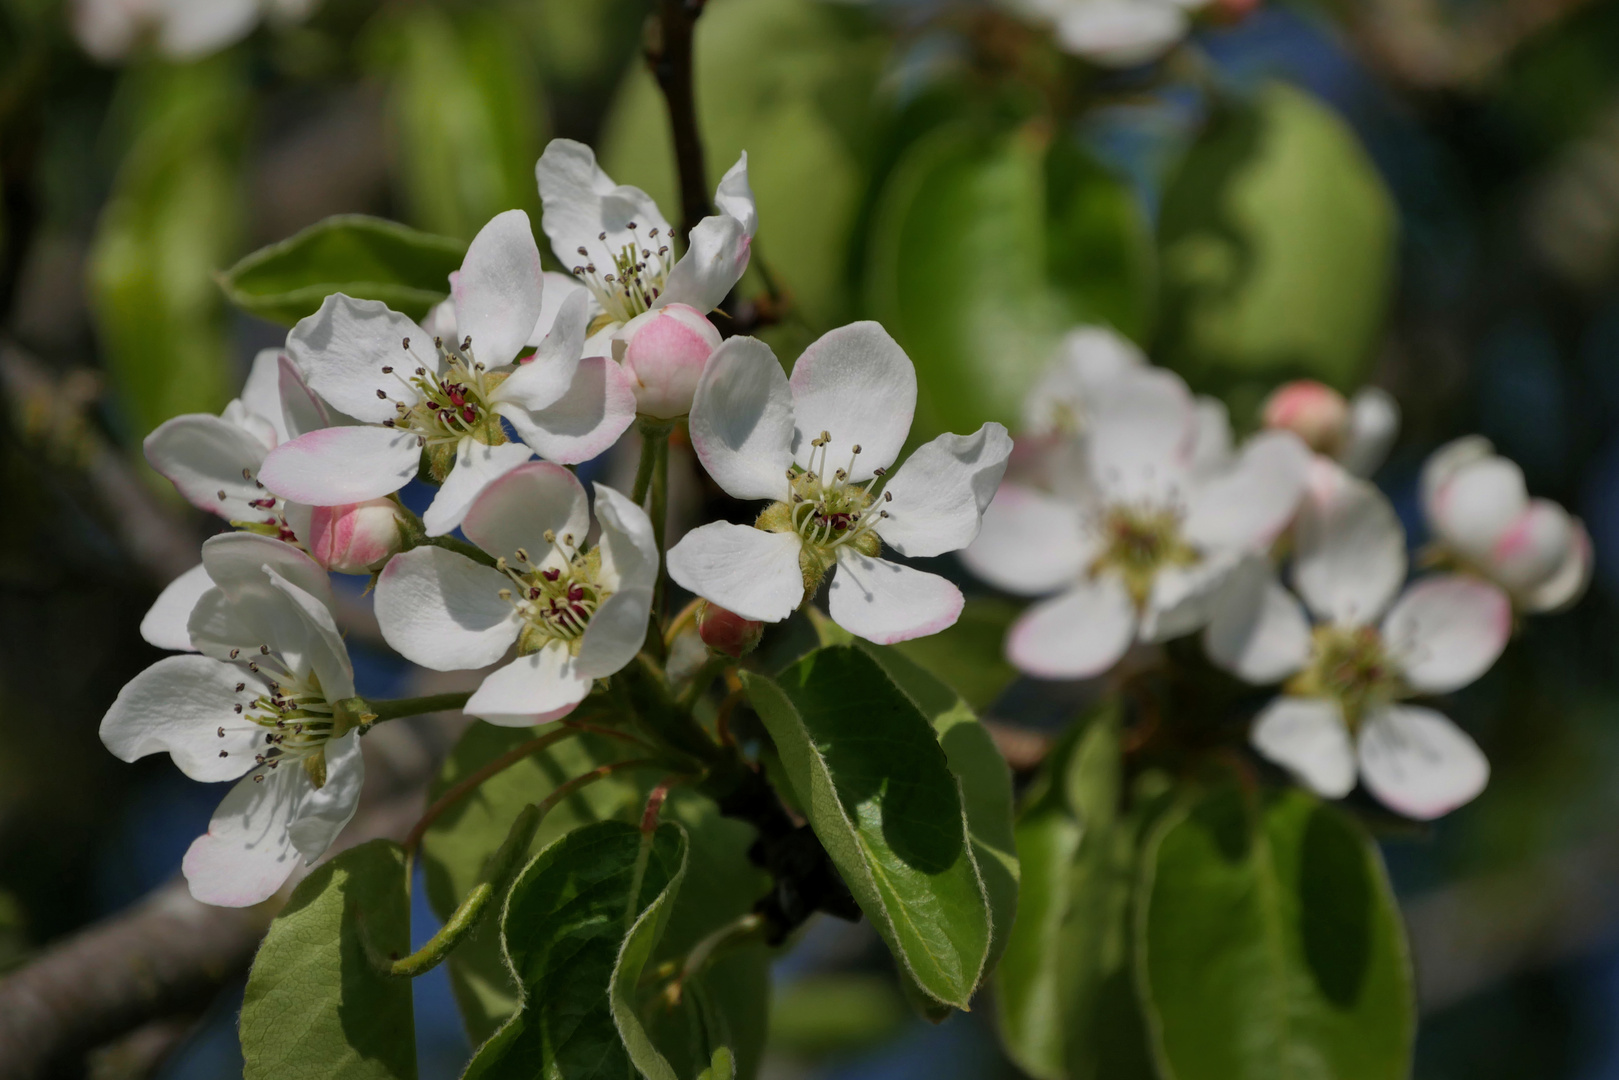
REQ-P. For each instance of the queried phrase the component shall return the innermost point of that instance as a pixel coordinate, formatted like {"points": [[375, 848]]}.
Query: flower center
{"points": [[1139, 542], [827, 511], [636, 279], [274, 522], [555, 601], [1351, 665], [448, 404], [290, 710]]}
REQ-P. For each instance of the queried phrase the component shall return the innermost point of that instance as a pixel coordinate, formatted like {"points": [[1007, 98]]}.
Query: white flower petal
{"points": [[1183, 598], [1143, 429], [616, 633], [530, 690], [1568, 581], [190, 29], [1120, 33], [942, 490], [1479, 503], [734, 196], [476, 467], [1350, 557], [584, 422], [178, 706], [1308, 737], [1443, 464], [321, 647], [518, 509], [261, 393], [543, 381], [1419, 763], [1249, 504], [1076, 634], [1259, 631], [165, 624], [1446, 631], [324, 812], [1211, 450], [713, 263], [1029, 543], [559, 289], [247, 852], [1087, 357], [498, 288], [581, 202], [341, 465], [885, 602], [444, 611], [236, 561], [1533, 547], [629, 549], [301, 411], [752, 572], [1374, 424], [343, 347], [204, 455], [742, 420], [856, 383]]}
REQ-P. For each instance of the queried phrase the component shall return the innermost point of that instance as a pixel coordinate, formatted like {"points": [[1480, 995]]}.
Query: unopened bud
{"points": [[356, 537], [664, 351], [1313, 411], [726, 631]]}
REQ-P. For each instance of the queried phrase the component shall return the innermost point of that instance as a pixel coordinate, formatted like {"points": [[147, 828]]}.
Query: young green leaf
{"points": [[567, 920], [317, 1007], [868, 767], [364, 257], [1269, 944], [461, 842]]}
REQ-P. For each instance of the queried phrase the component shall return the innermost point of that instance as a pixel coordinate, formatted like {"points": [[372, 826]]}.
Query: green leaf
{"points": [[880, 795], [366, 257], [820, 1015], [316, 1008], [456, 848], [1277, 243], [970, 657], [986, 783], [625, 996], [790, 82], [468, 114], [1270, 945], [567, 917], [973, 264], [171, 221]]}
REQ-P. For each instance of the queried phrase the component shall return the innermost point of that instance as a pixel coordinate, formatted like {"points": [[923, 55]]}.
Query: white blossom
{"points": [[1482, 518], [260, 703], [448, 398], [1356, 650], [576, 614], [1137, 543], [1113, 33], [1357, 433], [178, 29], [819, 446]]}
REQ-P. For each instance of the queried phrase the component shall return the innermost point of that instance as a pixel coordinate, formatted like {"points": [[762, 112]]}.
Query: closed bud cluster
{"points": [[726, 631], [664, 351], [356, 537], [1313, 411]]}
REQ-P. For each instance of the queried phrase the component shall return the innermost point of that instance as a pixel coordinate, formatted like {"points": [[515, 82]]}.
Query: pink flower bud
{"points": [[1314, 412], [726, 631], [356, 537], [664, 351]]}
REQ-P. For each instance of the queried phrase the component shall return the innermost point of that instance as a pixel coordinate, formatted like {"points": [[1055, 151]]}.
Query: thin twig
{"points": [[670, 56]]}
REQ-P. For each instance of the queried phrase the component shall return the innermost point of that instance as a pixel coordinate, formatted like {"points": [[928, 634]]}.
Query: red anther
{"points": [[469, 414], [534, 592], [576, 593], [456, 393], [550, 575]]}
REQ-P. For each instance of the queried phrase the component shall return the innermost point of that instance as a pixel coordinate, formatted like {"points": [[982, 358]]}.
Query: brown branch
{"points": [[669, 52]]}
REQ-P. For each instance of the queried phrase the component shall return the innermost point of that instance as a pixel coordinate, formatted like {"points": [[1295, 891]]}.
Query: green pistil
{"points": [[1138, 544], [1351, 666]]}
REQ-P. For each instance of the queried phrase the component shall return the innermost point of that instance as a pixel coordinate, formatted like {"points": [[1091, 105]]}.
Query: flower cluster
{"points": [[556, 590], [1132, 514]]}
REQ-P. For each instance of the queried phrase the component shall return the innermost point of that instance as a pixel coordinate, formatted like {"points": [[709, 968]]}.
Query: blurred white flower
{"points": [[575, 615], [1348, 674], [1113, 33], [178, 29], [1482, 517], [621, 248], [1357, 433], [818, 445], [1141, 541], [449, 398], [261, 700]]}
